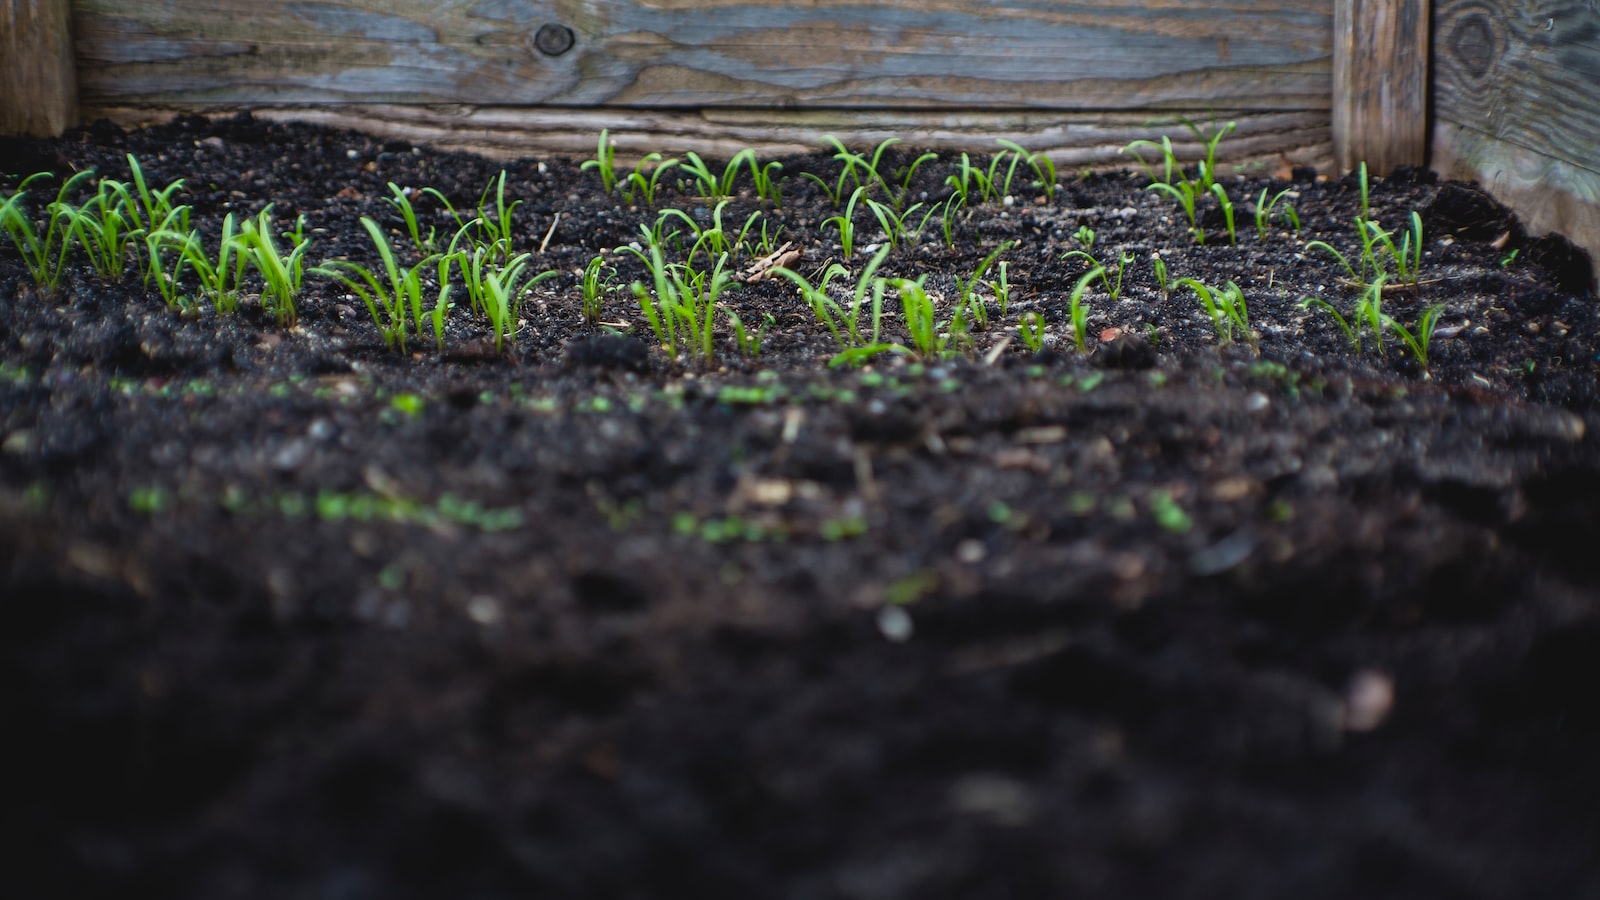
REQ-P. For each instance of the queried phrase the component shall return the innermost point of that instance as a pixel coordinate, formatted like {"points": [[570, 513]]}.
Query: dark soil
{"points": [[286, 614]]}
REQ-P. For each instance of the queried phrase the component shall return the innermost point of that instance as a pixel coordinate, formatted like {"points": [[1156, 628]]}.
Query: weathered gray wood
{"points": [[1380, 83], [1022, 54], [1266, 141], [1517, 100], [38, 92]]}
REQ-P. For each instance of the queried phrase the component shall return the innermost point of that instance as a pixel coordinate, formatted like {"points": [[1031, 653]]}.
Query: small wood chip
{"points": [[785, 256]]}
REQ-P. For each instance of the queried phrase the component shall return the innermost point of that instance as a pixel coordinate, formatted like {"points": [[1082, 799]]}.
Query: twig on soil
{"points": [[549, 234]]}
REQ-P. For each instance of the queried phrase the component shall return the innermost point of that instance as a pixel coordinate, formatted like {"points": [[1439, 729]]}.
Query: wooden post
{"points": [[38, 82], [1380, 84]]}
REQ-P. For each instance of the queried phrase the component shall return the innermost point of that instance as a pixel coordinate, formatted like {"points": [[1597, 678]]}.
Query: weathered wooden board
{"points": [[38, 91], [1380, 83], [945, 54], [1263, 140], [1517, 107]]}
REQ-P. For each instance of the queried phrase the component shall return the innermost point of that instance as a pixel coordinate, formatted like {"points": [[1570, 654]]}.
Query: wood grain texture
{"points": [[1072, 140], [1380, 83], [38, 90], [991, 54], [1517, 103]]}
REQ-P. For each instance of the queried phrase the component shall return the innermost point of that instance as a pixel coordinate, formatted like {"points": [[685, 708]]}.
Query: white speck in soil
{"points": [[971, 551], [1368, 700], [894, 623]]}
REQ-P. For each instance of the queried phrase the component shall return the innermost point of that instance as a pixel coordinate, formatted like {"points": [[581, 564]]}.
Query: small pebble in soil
{"points": [[971, 551], [1223, 555], [1368, 700], [484, 610], [894, 623]]}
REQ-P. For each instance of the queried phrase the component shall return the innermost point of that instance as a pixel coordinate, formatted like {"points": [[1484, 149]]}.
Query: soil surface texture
{"points": [[287, 612]]}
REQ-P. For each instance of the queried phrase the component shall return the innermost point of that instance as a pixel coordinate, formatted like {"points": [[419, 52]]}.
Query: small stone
{"points": [[1001, 800], [894, 623], [1368, 700], [484, 610], [18, 442], [971, 551], [292, 455]]}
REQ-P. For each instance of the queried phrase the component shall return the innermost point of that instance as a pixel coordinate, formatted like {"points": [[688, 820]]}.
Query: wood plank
{"points": [[1518, 109], [1022, 54], [1380, 83], [1263, 141], [38, 91]]}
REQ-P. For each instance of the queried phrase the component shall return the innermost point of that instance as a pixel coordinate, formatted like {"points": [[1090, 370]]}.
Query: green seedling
{"points": [[1208, 167], [713, 240], [1267, 208], [844, 322], [595, 283], [1174, 181], [680, 312], [768, 243], [1368, 312], [105, 228], [1044, 170], [221, 275], [1351, 334], [1031, 330], [710, 185], [855, 168], [152, 208], [749, 342], [499, 300], [1078, 311], [1181, 188], [894, 223], [1001, 288], [281, 275], [1106, 270], [497, 231], [1000, 187], [642, 187], [1159, 266], [43, 254], [966, 176], [1361, 178], [1417, 341], [1221, 193], [401, 200], [1407, 257], [904, 178], [1085, 236], [1380, 254], [165, 260], [952, 207], [393, 300], [604, 162], [1226, 307], [765, 181], [1168, 514], [846, 225], [967, 288], [919, 317]]}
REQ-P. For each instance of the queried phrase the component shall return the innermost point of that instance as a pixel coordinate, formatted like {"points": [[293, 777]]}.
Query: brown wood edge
{"points": [[1072, 140], [38, 77], [1380, 84]]}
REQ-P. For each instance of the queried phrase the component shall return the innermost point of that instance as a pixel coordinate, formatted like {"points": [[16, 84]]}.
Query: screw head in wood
{"points": [[553, 40]]}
